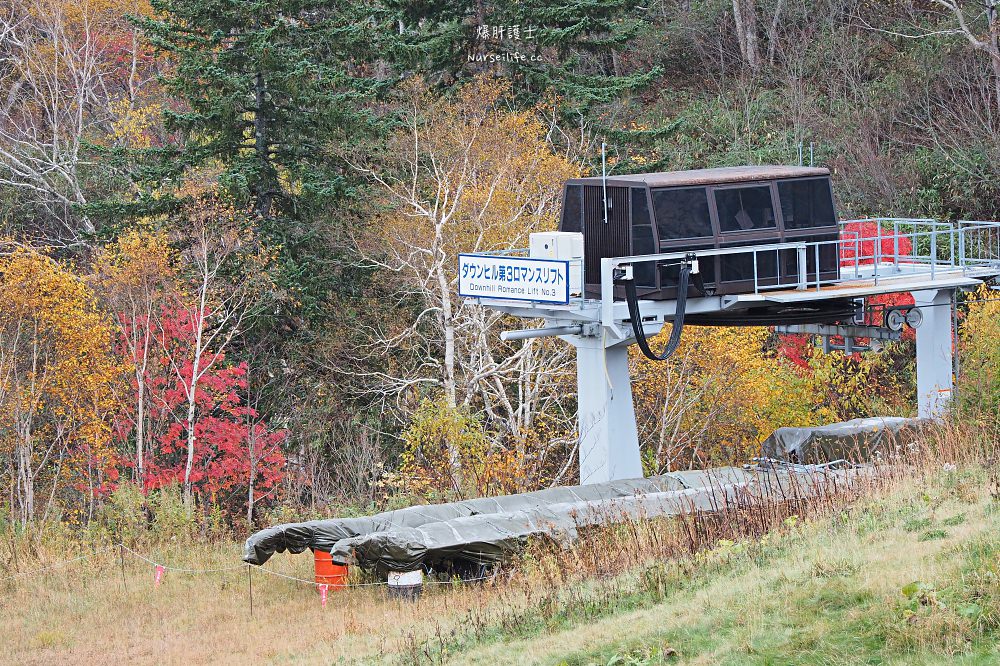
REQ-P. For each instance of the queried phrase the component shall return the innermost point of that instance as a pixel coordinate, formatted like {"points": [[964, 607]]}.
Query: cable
{"points": [[308, 581], [179, 569], [678, 325], [63, 563], [232, 568]]}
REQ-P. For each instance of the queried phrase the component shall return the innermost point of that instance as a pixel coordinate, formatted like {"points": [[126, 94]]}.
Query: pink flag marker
{"points": [[158, 575], [322, 593]]}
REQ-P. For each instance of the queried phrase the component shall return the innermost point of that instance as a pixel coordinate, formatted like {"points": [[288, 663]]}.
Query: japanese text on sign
{"points": [[513, 278]]}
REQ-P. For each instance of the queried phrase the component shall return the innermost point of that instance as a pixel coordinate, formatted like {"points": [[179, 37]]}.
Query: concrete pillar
{"points": [[609, 441], [934, 352]]}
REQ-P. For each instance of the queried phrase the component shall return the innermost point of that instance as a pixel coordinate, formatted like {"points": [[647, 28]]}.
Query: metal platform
{"points": [[943, 257]]}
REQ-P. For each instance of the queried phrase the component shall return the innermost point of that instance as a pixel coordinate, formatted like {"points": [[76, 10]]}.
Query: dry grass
{"points": [[82, 614], [628, 590]]}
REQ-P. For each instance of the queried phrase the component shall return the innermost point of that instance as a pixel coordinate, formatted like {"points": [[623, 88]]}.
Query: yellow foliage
{"points": [[135, 276], [138, 261], [87, 12], [722, 392], [446, 450], [726, 389], [486, 173], [979, 380], [87, 66], [56, 370], [855, 386], [532, 458], [130, 124]]}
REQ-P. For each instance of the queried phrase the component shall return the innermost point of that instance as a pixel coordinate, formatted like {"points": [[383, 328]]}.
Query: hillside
{"points": [[275, 194], [910, 575], [235, 241], [908, 578]]}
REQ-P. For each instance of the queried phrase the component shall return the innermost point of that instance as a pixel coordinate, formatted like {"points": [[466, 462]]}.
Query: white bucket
{"points": [[405, 584]]}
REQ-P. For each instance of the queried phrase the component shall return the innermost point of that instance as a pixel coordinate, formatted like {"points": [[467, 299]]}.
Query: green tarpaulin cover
{"points": [[323, 534], [857, 441], [482, 531]]}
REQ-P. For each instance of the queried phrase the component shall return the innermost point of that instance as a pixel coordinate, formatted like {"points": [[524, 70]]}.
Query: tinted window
{"points": [[828, 258], [806, 203], [745, 208], [670, 273], [682, 212], [640, 209], [572, 209], [642, 238], [740, 266], [642, 241]]}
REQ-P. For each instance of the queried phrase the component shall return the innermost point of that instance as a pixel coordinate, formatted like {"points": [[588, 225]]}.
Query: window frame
{"points": [[808, 230], [565, 204], [779, 221], [712, 222]]}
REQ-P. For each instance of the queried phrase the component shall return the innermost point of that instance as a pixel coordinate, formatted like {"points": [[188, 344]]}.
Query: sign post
{"points": [[609, 444]]}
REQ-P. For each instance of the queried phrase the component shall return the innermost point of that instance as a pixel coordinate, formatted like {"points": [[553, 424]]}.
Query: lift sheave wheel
{"points": [[895, 320]]}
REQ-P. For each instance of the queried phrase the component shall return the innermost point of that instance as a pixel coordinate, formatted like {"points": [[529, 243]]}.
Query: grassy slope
{"points": [[829, 592], [82, 614], [834, 592]]}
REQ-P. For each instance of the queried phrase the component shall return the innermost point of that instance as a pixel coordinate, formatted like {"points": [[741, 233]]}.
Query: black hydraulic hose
{"points": [[678, 327]]}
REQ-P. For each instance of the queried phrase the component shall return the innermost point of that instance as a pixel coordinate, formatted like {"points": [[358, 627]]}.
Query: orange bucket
{"points": [[334, 575]]}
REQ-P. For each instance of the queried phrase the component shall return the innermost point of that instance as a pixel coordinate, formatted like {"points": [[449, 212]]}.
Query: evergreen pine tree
{"points": [[568, 47], [270, 93]]}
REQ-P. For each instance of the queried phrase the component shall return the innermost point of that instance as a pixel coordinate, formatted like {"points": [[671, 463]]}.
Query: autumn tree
{"points": [[177, 304], [224, 267], [469, 175], [979, 339], [980, 29], [726, 389], [137, 279], [570, 50], [264, 96], [717, 397], [224, 450], [55, 375], [261, 458], [73, 72]]}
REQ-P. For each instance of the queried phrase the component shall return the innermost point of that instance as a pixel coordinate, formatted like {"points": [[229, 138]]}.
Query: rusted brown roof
{"points": [[707, 176]]}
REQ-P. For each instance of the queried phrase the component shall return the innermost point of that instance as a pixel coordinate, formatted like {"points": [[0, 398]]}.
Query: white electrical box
{"points": [[563, 245]]}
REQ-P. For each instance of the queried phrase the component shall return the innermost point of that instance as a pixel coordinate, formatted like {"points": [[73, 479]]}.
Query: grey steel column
{"points": [[609, 440], [934, 352]]}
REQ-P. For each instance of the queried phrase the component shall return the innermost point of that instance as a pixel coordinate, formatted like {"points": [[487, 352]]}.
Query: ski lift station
{"points": [[741, 246]]}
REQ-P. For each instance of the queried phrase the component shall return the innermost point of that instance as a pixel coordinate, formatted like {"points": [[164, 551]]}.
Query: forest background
{"points": [[230, 228]]}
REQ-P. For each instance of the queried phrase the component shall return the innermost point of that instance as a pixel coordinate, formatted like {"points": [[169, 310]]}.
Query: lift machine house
{"points": [[731, 246]]}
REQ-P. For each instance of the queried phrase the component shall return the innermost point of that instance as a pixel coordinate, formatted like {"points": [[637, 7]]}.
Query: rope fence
{"points": [[375, 584], [160, 568], [58, 565], [167, 567]]}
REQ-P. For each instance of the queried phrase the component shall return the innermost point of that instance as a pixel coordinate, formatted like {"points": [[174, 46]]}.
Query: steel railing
{"points": [[868, 249]]}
